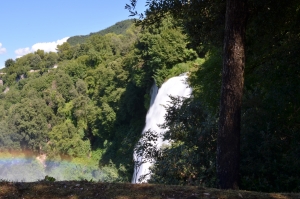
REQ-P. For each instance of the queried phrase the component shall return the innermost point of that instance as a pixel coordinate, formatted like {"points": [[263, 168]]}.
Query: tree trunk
{"points": [[228, 151]]}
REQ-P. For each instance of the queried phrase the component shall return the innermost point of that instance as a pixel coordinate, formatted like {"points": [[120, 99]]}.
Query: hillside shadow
{"points": [[127, 130]]}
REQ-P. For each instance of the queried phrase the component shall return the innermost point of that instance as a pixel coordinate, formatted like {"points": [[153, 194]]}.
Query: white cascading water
{"points": [[176, 86]]}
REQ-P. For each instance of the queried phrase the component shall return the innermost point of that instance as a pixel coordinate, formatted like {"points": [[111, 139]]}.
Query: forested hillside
{"points": [[91, 108], [118, 28]]}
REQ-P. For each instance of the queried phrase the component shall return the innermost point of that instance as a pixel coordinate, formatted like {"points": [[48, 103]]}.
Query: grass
{"points": [[85, 189]]}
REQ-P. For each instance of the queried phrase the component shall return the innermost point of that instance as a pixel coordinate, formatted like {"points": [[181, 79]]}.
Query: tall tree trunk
{"points": [[228, 151]]}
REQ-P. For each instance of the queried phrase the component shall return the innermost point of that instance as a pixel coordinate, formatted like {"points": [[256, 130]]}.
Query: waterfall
{"points": [[175, 86]]}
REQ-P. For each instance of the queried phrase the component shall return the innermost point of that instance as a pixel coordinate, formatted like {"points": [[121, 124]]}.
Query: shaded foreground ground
{"points": [[83, 189]]}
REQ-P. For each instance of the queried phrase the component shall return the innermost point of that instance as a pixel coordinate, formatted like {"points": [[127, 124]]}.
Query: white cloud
{"points": [[46, 46], [2, 50], [22, 51]]}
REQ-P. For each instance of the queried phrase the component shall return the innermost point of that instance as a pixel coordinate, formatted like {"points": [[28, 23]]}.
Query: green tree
{"points": [[35, 62], [81, 87], [53, 99], [31, 121], [158, 50], [233, 78], [50, 59], [65, 139], [80, 49], [9, 63], [74, 69], [64, 85], [41, 53], [190, 159], [64, 51]]}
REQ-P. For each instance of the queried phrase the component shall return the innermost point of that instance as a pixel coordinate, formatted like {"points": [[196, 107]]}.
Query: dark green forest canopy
{"points": [[118, 28]]}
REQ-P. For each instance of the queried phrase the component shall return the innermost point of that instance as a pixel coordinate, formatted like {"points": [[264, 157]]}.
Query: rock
{"points": [[6, 90]]}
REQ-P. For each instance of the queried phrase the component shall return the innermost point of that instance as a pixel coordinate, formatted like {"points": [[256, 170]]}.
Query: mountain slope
{"points": [[118, 28]]}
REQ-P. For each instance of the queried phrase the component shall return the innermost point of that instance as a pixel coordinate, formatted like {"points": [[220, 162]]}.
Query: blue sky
{"points": [[30, 25]]}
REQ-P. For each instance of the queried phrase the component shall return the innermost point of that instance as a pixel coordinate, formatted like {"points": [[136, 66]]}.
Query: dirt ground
{"points": [[85, 189]]}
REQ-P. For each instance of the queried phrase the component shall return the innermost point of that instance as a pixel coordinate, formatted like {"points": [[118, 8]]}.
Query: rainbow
{"points": [[27, 167]]}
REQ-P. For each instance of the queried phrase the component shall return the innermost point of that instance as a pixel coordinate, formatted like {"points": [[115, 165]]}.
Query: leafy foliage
{"points": [[158, 51], [89, 106], [269, 115], [118, 28], [190, 158]]}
